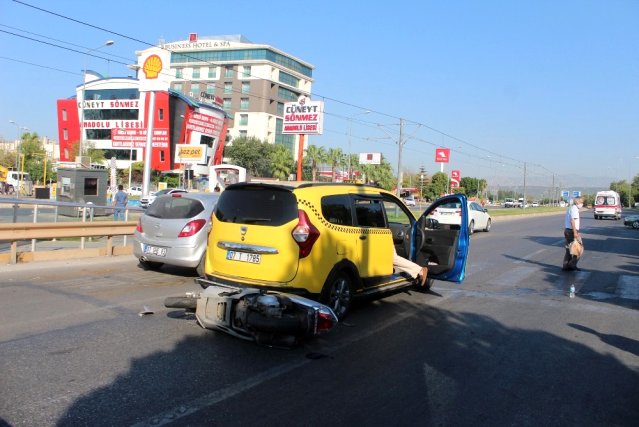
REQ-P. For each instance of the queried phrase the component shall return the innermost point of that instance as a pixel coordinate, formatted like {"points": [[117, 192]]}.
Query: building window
{"points": [[212, 72], [288, 79], [161, 113], [228, 87], [244, 104], [65, 134], [178, 73], [178, 87], [196, 73], [286, 94], [195, 89], [228, 72], [227, 104], [64, 115], [246, 87], [243, 119], [246, 71], [210, 89], [280, 109], [243, 133], [90, 186]]}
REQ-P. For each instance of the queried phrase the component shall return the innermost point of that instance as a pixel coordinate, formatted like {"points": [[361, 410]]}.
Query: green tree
{"points": [[381, 174], [34, 158], [314, 156], [437, 186], [335, 159], [252, 154], [281, 162]]}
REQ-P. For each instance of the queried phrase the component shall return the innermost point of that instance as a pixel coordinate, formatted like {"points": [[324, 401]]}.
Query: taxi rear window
{"points": [[256, 205]]}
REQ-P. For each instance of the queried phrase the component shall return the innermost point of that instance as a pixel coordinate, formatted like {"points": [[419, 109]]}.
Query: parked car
{"points": [[174, 230], [147, 200], [631, 221], [450, 214], [135, 191], [410, 200], [328, 242], [509, 203]]}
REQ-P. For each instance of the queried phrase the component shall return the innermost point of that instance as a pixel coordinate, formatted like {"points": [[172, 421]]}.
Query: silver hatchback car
{"points": [[174, 230]]}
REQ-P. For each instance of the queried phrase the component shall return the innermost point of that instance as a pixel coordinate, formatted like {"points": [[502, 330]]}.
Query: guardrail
{"points": [[41, 222], [15, 233]]}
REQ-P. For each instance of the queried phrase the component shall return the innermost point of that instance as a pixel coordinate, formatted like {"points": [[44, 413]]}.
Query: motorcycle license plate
{"points": [[244, 257], [154, 250]]}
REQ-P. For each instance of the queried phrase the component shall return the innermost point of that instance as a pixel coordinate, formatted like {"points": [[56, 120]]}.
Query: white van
{"points": [[13, 179], [607, 205]]}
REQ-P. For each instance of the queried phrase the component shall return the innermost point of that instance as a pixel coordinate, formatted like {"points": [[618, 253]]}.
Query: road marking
{"points": [[628, 287]]}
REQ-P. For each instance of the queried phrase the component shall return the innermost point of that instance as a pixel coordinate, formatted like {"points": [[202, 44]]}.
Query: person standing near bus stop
{"points": [[119, 202]]}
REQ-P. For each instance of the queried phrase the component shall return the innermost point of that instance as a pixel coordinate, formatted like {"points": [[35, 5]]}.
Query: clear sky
{"points": [[552, 85]]}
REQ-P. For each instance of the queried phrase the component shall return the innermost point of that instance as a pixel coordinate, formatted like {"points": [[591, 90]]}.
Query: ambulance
{"points": [[607, 205]]}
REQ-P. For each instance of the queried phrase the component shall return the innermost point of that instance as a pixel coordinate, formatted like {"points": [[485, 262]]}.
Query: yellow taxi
{"points": [[328, 242]]}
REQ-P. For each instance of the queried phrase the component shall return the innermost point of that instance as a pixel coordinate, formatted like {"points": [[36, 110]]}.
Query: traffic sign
{"points": [[565, 195], [576, 194]]}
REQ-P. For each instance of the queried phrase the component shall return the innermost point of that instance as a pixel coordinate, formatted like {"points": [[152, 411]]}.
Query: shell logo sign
{"points": [[152, 67], [155, 73]]}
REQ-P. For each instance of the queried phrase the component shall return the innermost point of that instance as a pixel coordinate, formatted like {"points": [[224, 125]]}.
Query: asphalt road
{"points": [[506, 347]]}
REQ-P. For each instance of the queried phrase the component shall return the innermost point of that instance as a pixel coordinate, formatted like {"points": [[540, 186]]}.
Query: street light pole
{"points": [[350, 132], [84, 84]]}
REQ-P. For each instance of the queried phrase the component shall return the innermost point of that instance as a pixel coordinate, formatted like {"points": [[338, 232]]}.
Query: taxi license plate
{"points": [[244, 257], [154, 250]]}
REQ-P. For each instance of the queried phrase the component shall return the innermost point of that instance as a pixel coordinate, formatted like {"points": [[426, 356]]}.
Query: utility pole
{"points": [[524, 205], [400, 144]]}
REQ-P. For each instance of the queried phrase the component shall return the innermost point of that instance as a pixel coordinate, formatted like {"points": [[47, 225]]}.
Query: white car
{"points": [[409, 201], [450, 214], [135, 191], [146, 201]]}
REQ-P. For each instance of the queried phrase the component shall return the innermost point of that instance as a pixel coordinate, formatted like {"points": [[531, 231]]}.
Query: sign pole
{"points": [[300, 157]]}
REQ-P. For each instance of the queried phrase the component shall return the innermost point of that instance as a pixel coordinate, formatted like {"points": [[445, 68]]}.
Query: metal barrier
{"points": [[22, 220]]}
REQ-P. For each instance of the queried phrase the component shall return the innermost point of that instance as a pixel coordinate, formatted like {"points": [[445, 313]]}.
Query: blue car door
{"points": [[442, 247]]}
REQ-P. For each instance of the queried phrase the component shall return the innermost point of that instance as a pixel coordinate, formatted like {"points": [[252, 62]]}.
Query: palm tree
{"points": [[314, 156], [281, 162], [335, 158]]}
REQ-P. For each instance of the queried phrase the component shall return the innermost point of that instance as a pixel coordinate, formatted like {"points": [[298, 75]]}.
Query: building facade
{"points": [[252, 82], [202, 91]]}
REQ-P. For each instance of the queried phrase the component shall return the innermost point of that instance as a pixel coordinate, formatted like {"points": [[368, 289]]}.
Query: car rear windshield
{"points": [[174, 208], [257, 205]]}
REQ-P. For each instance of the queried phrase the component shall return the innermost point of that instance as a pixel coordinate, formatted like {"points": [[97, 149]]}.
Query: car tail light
{"points": [[305, 234], [192, 227], [138, 228], [458, 212]]}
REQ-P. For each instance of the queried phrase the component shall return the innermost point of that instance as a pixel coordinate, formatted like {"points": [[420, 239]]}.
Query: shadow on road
{"points": [[432, 367]]}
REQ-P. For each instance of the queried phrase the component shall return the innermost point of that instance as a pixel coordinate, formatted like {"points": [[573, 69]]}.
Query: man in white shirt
{"points": [[571, 232]]}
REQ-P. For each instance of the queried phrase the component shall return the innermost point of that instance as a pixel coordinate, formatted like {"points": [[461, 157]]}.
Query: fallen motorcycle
{"points": [[266, 317]]}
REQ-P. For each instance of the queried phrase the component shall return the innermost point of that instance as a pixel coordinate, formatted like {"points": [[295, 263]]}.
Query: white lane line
{"points": [[628, 287]]}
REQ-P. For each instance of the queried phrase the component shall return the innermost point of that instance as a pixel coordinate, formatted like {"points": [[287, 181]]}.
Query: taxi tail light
{"points": [[305, 234], [458, 212], [138, 227], [192, 227]]}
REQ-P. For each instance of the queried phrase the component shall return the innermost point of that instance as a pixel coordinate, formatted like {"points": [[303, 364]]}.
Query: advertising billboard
{"points": [[304, 117], [442, 155]]}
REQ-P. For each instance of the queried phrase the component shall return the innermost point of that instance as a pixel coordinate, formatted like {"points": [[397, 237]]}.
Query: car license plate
{"points": [[154, 250], [244, 257]]}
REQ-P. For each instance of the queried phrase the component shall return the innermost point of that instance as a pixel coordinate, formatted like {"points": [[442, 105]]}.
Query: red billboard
{"points": [[442, 155]]}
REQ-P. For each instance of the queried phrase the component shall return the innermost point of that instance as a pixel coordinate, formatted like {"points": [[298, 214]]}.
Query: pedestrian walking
{"points": [[120, 199], [571, 233]]}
